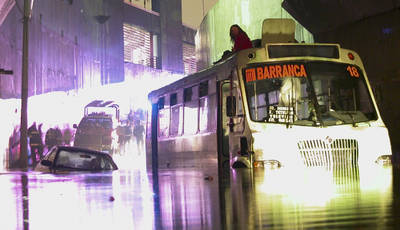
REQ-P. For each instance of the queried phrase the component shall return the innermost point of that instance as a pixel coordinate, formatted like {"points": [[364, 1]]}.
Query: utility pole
{"points": [[24, 89]]}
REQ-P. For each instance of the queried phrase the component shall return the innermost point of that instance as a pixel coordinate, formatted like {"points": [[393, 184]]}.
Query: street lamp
{"points": [[28, 5]]}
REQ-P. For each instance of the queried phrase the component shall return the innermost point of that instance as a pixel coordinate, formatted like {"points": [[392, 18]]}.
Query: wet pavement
{"points": [[133, 198]]}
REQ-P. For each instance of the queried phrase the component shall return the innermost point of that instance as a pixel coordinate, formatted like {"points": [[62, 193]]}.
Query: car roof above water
{"points": [[78, 149]]}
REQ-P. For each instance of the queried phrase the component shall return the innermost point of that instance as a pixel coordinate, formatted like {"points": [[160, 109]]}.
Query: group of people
{"points": [[53, 137], [132, 129]]}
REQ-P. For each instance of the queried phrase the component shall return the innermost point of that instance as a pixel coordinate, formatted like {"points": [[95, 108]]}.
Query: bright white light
{"points": [[63, 109], [311, 187], [8, 200], [190, 120]]}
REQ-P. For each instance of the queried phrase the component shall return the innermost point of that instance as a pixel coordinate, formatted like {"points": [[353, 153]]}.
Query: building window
{"points": [[155, 5], [189, 58], [140, 46], [146, 4], [156, 52]]}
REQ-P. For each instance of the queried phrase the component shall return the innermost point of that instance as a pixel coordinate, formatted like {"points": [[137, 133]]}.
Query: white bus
{"points": [[280, 104]]}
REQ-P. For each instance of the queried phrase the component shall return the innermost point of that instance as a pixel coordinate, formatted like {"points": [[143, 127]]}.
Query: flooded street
{"points": [[199, 115], [133, 198]]}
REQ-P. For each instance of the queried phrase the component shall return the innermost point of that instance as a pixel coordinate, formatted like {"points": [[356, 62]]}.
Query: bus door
{"points": [[231, 123], [153, 157]]}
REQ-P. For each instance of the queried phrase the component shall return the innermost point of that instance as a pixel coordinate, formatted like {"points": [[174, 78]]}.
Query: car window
{"points": [[106, 164], [82, 161], [93, 123], [50, 155]]}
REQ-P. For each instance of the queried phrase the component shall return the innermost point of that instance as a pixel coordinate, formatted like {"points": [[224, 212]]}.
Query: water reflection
{"points": [[25, 203], [313, 198], [188, 199], [316, 198]]}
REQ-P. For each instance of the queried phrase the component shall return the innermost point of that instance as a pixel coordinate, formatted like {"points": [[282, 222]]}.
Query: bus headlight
{"points": [[384, 160], [268, 152], [272, 164]]}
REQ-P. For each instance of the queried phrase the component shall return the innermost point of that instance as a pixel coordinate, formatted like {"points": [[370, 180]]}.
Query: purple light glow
{"points": [[63, 109]]}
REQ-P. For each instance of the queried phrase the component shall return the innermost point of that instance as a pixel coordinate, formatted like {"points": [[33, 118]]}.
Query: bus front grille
{"points": [[339, 152]]}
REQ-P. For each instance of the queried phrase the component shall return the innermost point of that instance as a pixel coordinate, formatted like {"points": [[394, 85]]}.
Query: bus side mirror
{"points": [[75, 126], [230, 106]]}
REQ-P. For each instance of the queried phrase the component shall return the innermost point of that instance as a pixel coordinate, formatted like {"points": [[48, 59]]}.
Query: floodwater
{"points": [[134, 198]]}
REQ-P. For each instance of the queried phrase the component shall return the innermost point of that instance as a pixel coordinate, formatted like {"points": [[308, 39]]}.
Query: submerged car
{"points": [[67, 158]]}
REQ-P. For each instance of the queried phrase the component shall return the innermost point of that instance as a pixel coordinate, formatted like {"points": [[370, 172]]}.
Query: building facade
{"points": [[89, 43]]}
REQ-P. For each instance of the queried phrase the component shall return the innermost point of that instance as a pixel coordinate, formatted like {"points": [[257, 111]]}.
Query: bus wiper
{"points": [[313, 97], [350, 114], [352, 118], [316, 121], [332, 113]]}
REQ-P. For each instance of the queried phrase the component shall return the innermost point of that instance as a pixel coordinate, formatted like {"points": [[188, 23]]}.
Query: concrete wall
{"points": [[68, 48], [140, 18], [188, 35], [171, 35], [71, 47], [377, 40], [212, 37]]}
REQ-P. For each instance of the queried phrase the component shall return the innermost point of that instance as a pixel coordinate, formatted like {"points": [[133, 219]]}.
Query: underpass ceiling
{"points": [[325, 15]]}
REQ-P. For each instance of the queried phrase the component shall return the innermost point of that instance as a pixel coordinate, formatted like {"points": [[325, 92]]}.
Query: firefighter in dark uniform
{"points": [[35, 143]]}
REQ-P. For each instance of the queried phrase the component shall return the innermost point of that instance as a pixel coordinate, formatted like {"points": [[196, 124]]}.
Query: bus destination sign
{"points": [[275, 71]]}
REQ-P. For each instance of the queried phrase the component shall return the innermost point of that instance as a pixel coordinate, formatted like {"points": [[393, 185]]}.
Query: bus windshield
{"points": [[308, 93]]}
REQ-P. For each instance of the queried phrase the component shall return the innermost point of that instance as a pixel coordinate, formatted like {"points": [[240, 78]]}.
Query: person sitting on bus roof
{"points": [[239, 38]]}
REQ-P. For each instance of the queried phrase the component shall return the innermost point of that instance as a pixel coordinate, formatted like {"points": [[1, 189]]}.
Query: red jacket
{"points": [[242, 42]]}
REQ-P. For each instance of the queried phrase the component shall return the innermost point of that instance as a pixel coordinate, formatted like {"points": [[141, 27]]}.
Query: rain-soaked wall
{"points": [[376, 40], [79, 44], [212, 38], [68, 47], [75, 51], [62, 109]]}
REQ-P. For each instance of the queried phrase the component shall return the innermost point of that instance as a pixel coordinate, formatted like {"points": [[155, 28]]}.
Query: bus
{"points": [[280, 104]]}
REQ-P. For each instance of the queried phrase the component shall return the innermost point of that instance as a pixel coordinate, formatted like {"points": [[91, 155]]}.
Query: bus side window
{"points": [[163, 118], [176, 119], [161, 102], [239, 104], [190, 112], [230, 106], [236, 102], [203, 106]]}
